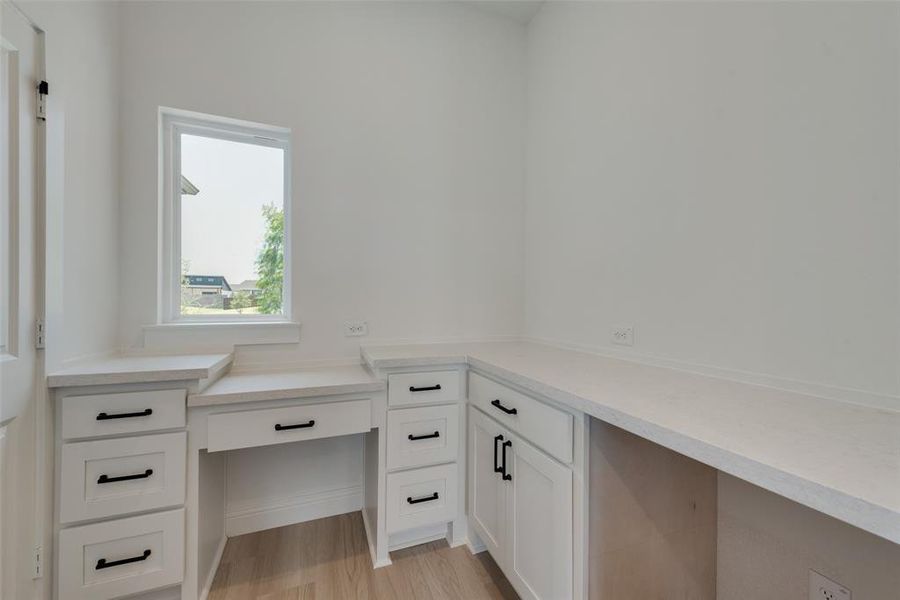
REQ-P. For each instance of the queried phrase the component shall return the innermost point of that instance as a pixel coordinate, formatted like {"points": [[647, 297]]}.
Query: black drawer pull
{"points": [[497, 468], [506, 476], [509, 411], [280, 427], [108, 479], [144, 413], [103, 564], [430, 388], [428, 436], [412, 500]]}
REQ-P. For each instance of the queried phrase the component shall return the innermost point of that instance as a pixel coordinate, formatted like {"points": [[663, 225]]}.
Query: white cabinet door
{"points": [[539, 523], [487, 494]]}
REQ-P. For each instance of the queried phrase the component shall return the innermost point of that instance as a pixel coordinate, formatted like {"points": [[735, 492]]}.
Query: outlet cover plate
{"points": [[822, 588], [622, 335], [356, 328]]}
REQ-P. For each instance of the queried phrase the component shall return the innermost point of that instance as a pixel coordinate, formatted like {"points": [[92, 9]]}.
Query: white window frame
{"points": [[173, 123]]}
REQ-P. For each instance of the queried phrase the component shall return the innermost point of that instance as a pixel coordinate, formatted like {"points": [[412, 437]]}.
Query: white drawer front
{"points": [[245, 429], [543, 425], [430, 387], [421, 497], [422, 436], [122, 557], [106, 478], [128, 412]]}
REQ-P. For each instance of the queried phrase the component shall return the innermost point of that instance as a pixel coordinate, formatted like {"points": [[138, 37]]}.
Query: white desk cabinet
{"points": [[526, 506]]}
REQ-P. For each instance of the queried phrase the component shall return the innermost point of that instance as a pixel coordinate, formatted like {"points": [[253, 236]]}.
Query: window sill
{"points": [[200, 335]]}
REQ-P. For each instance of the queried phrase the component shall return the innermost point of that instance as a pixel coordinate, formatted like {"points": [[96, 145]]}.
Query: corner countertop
{"points": [[276, 385], [139, 369], [838, 458]]}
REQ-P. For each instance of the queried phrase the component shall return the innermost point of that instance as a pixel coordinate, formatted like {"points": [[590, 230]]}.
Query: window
{"points": [[226, 202]]}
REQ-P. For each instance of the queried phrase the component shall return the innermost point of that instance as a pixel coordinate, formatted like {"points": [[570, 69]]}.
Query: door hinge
{"points": [[37, 559], [43, 90], [40, 333]]}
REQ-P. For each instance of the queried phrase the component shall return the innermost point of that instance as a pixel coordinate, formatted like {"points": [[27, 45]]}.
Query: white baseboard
{"points": [[370, 540], [414, 537], [277, 512], [207, 586], [475, 547], [474, 543]]}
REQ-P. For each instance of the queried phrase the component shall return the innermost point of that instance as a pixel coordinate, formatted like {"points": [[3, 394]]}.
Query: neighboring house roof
{"points": [[188, 188], [247, 284], [208, 281]]}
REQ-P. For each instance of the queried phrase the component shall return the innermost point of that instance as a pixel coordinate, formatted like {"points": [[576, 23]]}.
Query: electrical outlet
{"points": [[356, 328], [822, 588], [622, 335]]}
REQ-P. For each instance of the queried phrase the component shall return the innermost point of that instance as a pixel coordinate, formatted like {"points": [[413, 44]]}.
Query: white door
{"points": [[487, 494], [21, 292], [21, 227], [539, 535]]}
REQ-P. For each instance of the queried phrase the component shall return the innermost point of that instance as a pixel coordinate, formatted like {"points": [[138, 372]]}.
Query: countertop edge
{"points": [[426, 361], [62, 380], [227, 398]]}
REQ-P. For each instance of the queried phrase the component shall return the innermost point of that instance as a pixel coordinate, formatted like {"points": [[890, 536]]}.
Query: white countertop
{"points": [[276, 385], [139, 369], [841, 459]]}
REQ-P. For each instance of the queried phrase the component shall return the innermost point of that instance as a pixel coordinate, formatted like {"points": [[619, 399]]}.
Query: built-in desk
{"points": [[486, 444], [141, 448], [839, 458]]}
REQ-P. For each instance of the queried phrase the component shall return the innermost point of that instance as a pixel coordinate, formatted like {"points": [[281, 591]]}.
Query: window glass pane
{"points": [[232, 227]]}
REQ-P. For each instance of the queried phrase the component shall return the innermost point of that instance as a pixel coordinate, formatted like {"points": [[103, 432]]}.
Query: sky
{"points": [[222, 227]]}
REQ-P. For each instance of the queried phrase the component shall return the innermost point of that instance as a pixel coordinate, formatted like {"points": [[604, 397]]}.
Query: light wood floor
{"points": [[329, 559]]}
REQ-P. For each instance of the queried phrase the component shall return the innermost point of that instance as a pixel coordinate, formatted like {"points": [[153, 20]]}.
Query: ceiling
{"points": [[521, 11]]}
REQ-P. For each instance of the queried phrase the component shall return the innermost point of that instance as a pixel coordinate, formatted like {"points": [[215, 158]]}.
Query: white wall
{"points": [[408, 154], [83, 152], [408, 127], [299, 482], [724, 177]]}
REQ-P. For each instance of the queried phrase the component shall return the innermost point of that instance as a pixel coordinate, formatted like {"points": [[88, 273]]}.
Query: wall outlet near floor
{"points": [[822, 588], [356, 328], [622, 335]]}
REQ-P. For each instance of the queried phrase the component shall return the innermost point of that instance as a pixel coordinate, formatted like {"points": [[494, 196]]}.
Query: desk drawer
{"points": [[263, 427], [127, 412], [421, 497], [122, 557], [543, 425], [107, 478], [428, 387], [422, 436]]}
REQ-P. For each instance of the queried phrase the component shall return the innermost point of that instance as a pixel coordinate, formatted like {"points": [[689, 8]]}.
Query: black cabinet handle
{"points": [[506, 476], [108, 479], [144, 413], [412, 500], [280, 427], [497, 468], [428, 436], [430, 388], [103, 564], [509, 411]]}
